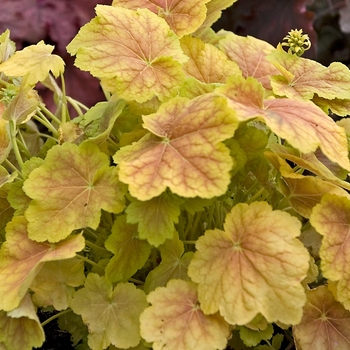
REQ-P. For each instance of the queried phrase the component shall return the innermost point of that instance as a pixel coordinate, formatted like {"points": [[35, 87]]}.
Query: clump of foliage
{"points": [[203, 205]]}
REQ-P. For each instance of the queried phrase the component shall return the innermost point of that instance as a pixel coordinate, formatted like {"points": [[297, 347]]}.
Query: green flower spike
{"points": [[297, 42]]}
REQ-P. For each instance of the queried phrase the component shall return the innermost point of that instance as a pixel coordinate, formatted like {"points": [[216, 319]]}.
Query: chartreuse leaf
{"points": [[184, 151], [302, 78], [250, 55], [183, 16], [74, 324], [301, 123], [130, 253], [21, 328], [22, 258], [254, 266], [7, 46], [175, 320], [325, 324], [55, 282], [254, 337], [156, 217], [134, 51], [112, 315], [34, 62], [23, 106], [6, 211], [302, 192], [331, 218], [5, 144], [214, 9], [207, 63], [174, 264], [69, 190]]}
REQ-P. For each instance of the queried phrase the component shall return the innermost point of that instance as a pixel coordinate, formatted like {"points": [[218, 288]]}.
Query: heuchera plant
{"points": [[203, 205]]}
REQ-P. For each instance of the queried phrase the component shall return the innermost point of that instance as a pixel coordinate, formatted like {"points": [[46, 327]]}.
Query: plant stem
{"points": [[55, 316], [189, 242], [92, 263], [136, 281], [64, 100], [76, 105], [42, 119], [96, 247], [48, 113], [14, 144], [10, 165]]}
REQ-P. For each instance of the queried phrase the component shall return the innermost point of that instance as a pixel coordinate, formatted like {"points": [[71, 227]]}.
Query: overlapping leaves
{"points": [[134, 51], [183, 152], [69, 190], [255, 265], [301, 123]]}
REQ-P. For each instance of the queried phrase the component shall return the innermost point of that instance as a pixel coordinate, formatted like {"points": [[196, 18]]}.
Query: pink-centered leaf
{"points": [[331, 218], [69, 191], [254, 266], [250, 55], [22, 258], [135, 51], [304, 125], [183, 16], [325, 324], [176, 321], [184, 151], [302, 78]]}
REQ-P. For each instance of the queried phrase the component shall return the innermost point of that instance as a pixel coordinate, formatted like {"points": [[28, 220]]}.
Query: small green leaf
{"points": [[112, 315], [156, 217], [130, 253]]}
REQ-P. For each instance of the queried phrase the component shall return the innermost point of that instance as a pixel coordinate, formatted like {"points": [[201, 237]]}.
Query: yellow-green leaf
{"points": [[174, 264], [156, 217], [112, 315], [56, 281], [207, 63], [331, 218], [130, 253], [21, 328], [69, 190], [34, 63], [135, 51], [5, 144], [22, 258], [175, 320], [325, 324], [183, 16], [255, 266], [302, 78], [301, 123], [184, 151]]}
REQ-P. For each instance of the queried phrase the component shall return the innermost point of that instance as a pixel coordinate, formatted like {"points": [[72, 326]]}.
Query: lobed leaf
{"points": [[250, 55], [156, 217], [34, 62], [331, 218], [112, 315], [183, 16], [56, 281], [22, 258], [254, 266], [5, 144], [184, 151], [69, 191], [174, 264], [303, 78], [301, 123], [176, 321], [325, 324], [135, 52], [21, 328], [130, 253], [207, 63]]}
